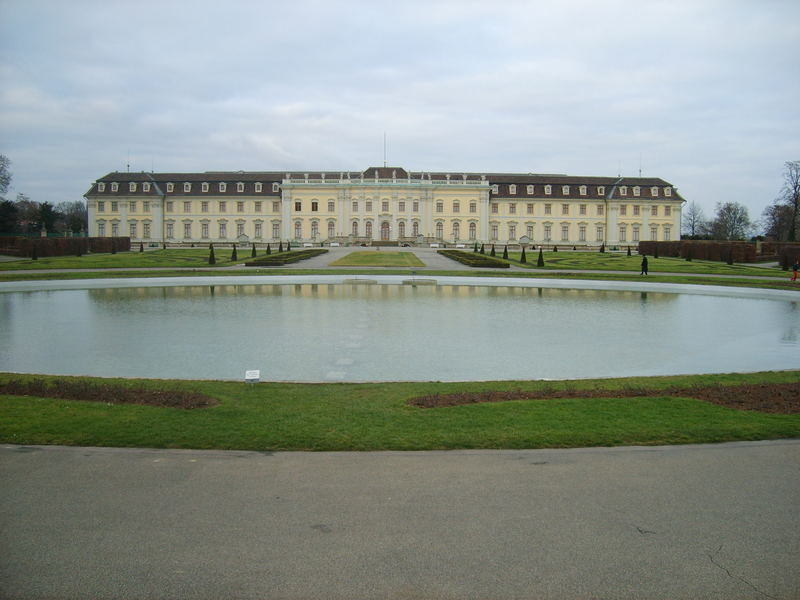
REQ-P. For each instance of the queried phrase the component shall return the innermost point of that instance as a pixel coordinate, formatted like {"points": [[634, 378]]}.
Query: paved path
{"points": [[711, 521]]}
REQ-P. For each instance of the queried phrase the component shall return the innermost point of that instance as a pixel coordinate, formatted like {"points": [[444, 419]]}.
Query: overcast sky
{"points": [[704, 94]]}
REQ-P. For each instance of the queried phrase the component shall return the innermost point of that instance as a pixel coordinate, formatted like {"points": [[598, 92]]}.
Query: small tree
{"points": [[475, 247], [233, 254], [35, 251], [603, 248], [492, 253], [555, 248], [141, 246], [211, 258], [280, 246], [483, 249], [288, 245], [163, 245], [505, 252], [540, 260], [269, 250], [522, 258], [629, 250], [253, 253]]}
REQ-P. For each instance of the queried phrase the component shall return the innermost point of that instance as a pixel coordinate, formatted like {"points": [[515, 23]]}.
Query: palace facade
{"points": [[386, 204]]}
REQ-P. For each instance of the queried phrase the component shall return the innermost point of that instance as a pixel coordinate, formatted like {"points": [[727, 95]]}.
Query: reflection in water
{"points": [[318, 332]]}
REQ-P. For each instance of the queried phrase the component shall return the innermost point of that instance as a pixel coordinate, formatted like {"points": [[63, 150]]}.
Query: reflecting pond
{"points": [[349, 332]]}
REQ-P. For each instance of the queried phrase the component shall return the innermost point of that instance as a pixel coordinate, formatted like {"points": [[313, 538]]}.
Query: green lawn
{"points": [[171, 257], [278, 416], [613, 261], [378, 258]]}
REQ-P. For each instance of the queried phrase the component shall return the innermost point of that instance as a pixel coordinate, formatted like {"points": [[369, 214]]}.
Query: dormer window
{"points": [[548, 189], [668, 191], [530, 190], [495, 189], [582, 190], [512, 189], [132, 186], [114, 186], [275, 187], [565, 190], [654, 192], [145, 187], [187, 187], [636, 190], [601, 190], [223, 186], [204, 187], [623, 190], [240, 187], [259, 186], [101, 187], [170, 187]]}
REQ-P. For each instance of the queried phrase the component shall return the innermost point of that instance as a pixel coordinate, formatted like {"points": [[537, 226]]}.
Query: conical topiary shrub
{"points": [[540, 260], [629, 250], [280, 246], [253, 253], [602, 248], [211, 258], [269, 250], [492, 252], [141, 246], [35, 251], [505, 252], [475, 247], [522, 258], [655, 252], [689, 253], [233, 254], [555, 248], [113, 246], [288, 245], [483, 250]]}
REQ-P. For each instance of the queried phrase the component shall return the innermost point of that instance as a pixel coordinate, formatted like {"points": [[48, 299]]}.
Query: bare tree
{"points": [[694, 221], [790, 198], [731, 222], [73, 216], [777, 221]]}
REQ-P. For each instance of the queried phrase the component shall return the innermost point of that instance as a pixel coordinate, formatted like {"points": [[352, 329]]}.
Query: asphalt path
{"points": [[699, 521]]}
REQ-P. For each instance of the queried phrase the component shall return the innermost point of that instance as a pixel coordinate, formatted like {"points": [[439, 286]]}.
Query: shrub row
{"points": [[23, 246], [741, 252], [472, 259], [276, 260]]}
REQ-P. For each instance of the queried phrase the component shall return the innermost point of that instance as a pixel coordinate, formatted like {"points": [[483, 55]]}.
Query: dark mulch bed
{"points": [[110, 394], [779, 398]]}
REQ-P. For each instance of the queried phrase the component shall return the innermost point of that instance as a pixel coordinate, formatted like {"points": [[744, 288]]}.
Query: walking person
{"points": [[794, 271], [644, 265]]}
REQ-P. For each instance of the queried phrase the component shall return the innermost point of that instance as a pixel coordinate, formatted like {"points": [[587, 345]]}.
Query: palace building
{"points": [[383, 204]]}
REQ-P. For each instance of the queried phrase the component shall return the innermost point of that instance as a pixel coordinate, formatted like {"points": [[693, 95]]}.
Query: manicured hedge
{"points": [[743, 252], [474, 260], [276, 260], [23, 246]]}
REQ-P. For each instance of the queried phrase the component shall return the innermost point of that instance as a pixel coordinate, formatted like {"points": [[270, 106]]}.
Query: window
{"points": [[623, 190], [635, 210], [223, 206], [547, 232], [439, 230], [331, 206], [314, 206], [276, 207], [512, 189], [668, 191], [204, 231], [401, 206], [667, 234], [548, 189], [654, 192], [146, 230], [495, 189], [582, 233], [259, 187], [623, 210], [473, 231], [439, 207], [494, 209], [512, 209], [203, 207], [601, 190], [473, 207], [240, 187], [529, 231], [636, 190], [276, 230], [132, 186], [385, 206], [101, 187], [101, 229], [223, 230], [654, 211], [456, 206], [368, 207], [565, 233], [258, 231], [565, 209], [170, 230], [416, 206], [223, 187], [115, 230], [599, 233], [494, 232], [101, 207], [355, 229], [170, 187], [635, 233], [401, 229], [239, 229], [133, 229], [512, 232], [548, 209], [203, 187], [275, 188], [368, 228], [115, 187], [298, 206], [355, 206], [582, 190], [187, 230], [600, 210], [582, 209], [114, 206], [257, 206], [187, 187], [456, 230], [565, 190], [145, 187], [331, 229], [530, 190], [667, 211], [654, 233], [623, 233], [132, 206], [415, 228]]}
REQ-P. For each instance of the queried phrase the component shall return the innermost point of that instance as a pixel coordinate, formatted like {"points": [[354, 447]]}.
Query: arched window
{"points": [[415, 228], [355, 228], [298, 230], [439, 230], [369, 229], [330, 229], [456, 230], [473, 231], [401, 229], [314, 229]]}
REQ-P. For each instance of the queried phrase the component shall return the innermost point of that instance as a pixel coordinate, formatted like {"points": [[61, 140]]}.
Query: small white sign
{"points": [[252, 376]]}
